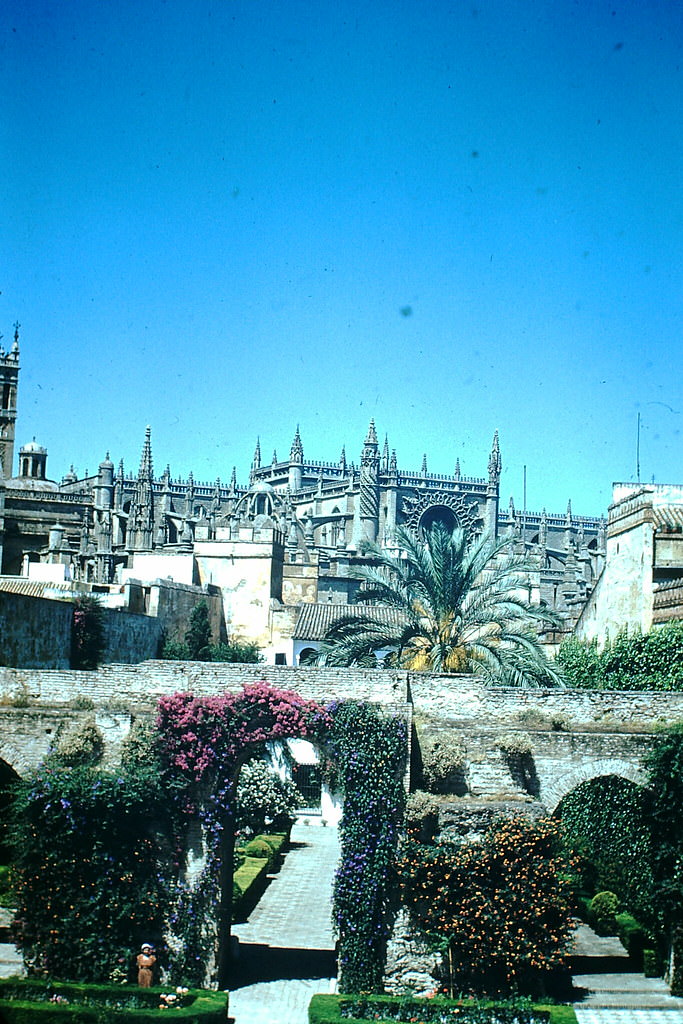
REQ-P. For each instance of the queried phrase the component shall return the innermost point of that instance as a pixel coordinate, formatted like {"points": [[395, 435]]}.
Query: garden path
{"points": [[286, 948], [615, 993], [11, 962]]}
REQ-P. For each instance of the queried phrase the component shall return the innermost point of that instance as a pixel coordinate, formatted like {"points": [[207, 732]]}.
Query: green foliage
{"points": [[602, 909], [500, 908], [175, 650], [606, 823], [139, 750], [258, 848], [422, 815], [459, 607], [249, 882], [443, 761], [370, 749], [197, 645], [87, 632], [89, 862], [665, 770], [264, 799], [632, 661], [633, 936], [81, 747], [241, 651], [198, 636], [324, 1009], [25, 1001], [515, 744]]}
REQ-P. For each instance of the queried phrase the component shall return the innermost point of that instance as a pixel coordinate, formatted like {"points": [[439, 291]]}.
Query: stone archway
{"points": [[555, 791]]}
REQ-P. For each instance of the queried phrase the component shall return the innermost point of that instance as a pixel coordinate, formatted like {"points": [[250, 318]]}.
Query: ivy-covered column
{"points": [[370, 748]]}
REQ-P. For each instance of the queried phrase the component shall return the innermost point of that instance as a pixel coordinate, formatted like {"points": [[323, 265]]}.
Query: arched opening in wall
{"points": [[438, 514], [604, 820], [307, 655]]}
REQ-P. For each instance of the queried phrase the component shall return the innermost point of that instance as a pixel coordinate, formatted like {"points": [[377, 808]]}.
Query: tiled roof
{"points": [[315, 620], [35, 588], [668, 517]]}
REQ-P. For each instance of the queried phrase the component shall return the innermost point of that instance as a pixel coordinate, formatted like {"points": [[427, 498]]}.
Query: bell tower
{"points": [[9, 377]]}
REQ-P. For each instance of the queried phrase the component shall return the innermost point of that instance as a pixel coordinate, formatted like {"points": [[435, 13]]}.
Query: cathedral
{"points": [[287, 538]]}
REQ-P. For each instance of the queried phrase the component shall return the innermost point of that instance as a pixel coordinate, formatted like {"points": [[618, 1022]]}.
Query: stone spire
{"points": [[233, 480], [366, 521], [145, 471], [256, 461], [495, 462], [295, 475], [342, 460], [457, 469], [296, 453], [423, 469], [393, 464], [385, 454], [141, 517]]}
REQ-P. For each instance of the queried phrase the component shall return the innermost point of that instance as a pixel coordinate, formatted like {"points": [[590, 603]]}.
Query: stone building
{"points": [[642, 582], [291, 535]]}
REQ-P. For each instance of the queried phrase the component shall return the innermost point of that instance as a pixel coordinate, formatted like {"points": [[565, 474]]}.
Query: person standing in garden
{"points": [[145, 961]]}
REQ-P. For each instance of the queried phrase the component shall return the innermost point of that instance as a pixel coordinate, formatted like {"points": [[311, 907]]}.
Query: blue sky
{"points": [[224, 218]]}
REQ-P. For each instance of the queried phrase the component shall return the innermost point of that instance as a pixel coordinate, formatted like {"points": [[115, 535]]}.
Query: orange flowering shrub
{"points": [[500, 908]]}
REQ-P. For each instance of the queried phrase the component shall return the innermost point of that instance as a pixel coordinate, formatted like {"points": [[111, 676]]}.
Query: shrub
{"points": [[632, 661], [422, 815], [264, 798], [603, 909], [651, 964], [632, 936], [91, 871], [237, 651], [443, 758], [198, 636], [515, 744], [500, 907], [87, 632], [259, 848], [81, 747]]}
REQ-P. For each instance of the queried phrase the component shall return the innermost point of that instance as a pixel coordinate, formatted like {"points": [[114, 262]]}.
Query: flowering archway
{"points": [[205, 740]]}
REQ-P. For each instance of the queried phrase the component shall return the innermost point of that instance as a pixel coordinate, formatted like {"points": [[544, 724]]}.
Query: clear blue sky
{"points": [[224, 217]]}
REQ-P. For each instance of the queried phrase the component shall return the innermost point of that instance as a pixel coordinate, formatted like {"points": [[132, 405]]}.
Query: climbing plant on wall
{"points": [[93, 869], [370, 749], [203, 741], [115, 873], [499, 908], [605, 821]]}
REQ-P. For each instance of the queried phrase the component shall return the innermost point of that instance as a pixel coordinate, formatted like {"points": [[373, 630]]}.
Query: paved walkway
{"points": [[11, 962], [286, 948], [613, 993]]}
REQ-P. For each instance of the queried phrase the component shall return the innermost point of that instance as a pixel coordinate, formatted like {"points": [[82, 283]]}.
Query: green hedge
{"points": [[21, 1002], [249, 883], [326, 1009], [634, 938]]}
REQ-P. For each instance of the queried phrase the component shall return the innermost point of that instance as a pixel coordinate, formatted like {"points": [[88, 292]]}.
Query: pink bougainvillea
{"points": [[205, 738]]}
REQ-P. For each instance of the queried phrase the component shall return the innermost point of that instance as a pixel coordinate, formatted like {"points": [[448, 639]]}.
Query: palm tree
{"points": [[462, 607]]}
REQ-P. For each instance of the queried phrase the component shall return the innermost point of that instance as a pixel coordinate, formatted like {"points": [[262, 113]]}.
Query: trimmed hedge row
{"points": [[325, 1009], [21, 1002], [262, 856]]}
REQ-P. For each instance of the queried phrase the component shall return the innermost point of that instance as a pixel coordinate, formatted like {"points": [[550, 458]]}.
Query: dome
{"points": [[32, 448], [261, 487], [29, 483]]}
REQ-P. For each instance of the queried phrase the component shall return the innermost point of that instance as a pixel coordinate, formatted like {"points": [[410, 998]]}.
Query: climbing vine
{"points": [[110, 869], [369, 748]]}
